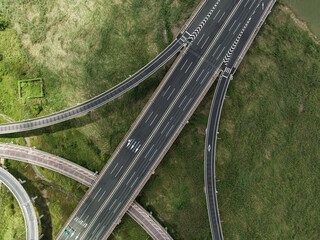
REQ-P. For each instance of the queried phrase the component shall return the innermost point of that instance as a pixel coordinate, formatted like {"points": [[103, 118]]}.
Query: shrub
{"points": [[3, 24], [36, 108]]}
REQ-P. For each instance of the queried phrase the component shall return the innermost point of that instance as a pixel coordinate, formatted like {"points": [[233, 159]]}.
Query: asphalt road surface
{"points": [[82, 175], [47, 160], [114, 92], [99, 100], [149, 224], [158, 125], [239, 46], [24, 202]]}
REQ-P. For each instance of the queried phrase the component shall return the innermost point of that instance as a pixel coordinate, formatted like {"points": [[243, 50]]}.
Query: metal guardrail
{"points": [[99, 100], [82, 175], [213, 122], [47, 160], [29, 214], [148, 222]]}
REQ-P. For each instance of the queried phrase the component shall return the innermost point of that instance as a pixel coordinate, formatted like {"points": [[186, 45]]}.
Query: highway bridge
{"points": [[148, 223], [231, 61], [47, 160], [208, 41], [159, 123], [24, 202], [82, 175], [99, 100], [123, 87]]}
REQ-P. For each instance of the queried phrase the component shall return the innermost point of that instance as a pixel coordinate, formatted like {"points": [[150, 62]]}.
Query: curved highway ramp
{"points": [[82, 175], [231, 61], [226, 28], [189, 31], [99, 100], [47, 160], [24, 201], [158, 125], [149, 223]]}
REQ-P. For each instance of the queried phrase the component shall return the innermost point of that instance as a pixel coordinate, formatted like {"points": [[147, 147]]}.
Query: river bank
{"points": [[305, 14]]}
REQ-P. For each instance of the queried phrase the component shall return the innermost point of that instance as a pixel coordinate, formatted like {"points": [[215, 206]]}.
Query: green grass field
{"points": [[11, 221], [80, 50], [266, 161]]}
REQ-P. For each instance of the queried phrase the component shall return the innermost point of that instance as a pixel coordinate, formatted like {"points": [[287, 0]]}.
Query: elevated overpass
{"points": [[159, 124], [161, 120], [49, 161], [123, 87], [29, 214], [148, 222], [231, 62], [87, 106], [82, 175]]}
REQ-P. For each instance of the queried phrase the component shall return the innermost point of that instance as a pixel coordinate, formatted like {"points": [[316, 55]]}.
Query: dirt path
{"points": [[7, 118]]}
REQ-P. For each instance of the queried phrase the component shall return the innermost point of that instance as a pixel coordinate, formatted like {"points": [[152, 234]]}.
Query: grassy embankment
{"points": [[80, 50], [11, 221], [266, 161]]}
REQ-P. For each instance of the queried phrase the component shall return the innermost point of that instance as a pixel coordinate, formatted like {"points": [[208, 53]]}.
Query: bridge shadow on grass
{"points": [[41, 203], [136, 94]]}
